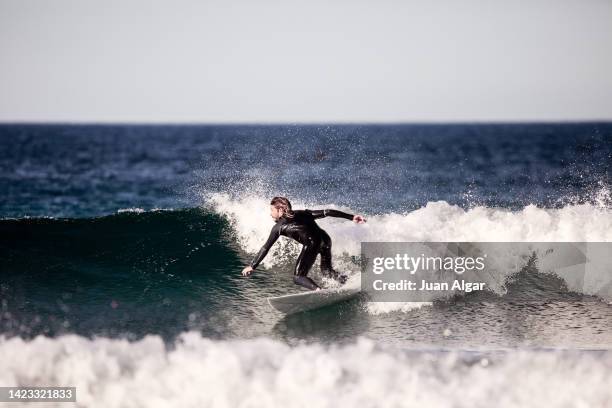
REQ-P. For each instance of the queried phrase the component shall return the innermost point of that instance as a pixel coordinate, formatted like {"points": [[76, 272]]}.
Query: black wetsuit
{"points": [[303, 228]]}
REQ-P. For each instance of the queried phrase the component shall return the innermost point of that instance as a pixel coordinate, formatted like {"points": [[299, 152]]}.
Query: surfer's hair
{"points": [[284, 204]]}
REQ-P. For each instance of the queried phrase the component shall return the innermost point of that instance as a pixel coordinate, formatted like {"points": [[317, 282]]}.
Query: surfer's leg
{"points": [[326, 256], [307, 257], [306, 282], [326, 259], [326, 265]]}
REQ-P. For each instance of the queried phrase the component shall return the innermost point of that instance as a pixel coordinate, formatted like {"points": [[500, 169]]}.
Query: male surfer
{"points": [[301, 226]]}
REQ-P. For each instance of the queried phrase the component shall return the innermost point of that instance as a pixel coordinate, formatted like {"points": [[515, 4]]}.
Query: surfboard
{"points": [[314, 299]]}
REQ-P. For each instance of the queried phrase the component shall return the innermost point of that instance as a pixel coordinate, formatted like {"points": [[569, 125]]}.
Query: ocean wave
{"points": [[148, 248], [436, 222], [197, 372]]}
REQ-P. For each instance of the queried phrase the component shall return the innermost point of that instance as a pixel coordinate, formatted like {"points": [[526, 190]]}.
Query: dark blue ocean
{"points": [[121, 248], [88, 171]]}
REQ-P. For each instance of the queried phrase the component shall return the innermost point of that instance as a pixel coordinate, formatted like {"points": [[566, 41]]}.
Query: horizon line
{"points": [[304, 123]]}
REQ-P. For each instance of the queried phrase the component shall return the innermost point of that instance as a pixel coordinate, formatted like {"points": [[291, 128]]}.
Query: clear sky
{"points": [[305, 61]]}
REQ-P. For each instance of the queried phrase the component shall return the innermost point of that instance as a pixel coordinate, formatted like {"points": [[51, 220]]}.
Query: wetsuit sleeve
{"points": [[330, 213], [274, 234]]}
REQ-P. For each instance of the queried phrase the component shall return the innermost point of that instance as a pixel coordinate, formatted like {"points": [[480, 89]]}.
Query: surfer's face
{"points": [[275, 213]]}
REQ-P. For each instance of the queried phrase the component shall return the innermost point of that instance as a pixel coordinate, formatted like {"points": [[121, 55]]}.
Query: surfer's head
{"points": [[280, 207]]}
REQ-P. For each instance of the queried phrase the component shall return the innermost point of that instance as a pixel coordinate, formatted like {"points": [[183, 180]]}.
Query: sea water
{"points": [[121, 249]]}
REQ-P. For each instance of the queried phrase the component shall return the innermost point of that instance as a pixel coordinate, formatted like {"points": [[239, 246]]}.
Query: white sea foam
{"points": [[134, 210], [137, 210], [376, 308], [437, 221], [199, 372]]}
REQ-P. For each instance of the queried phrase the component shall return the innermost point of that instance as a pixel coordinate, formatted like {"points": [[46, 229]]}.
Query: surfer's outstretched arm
{"points": [[274, 234], [337, 213]]}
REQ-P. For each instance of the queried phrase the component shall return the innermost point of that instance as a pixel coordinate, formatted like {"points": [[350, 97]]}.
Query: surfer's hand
{"points": [[358, 219], [247, 270]]}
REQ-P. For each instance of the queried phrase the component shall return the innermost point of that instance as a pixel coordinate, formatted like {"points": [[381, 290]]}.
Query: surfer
{"points": [[301, 226]]}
